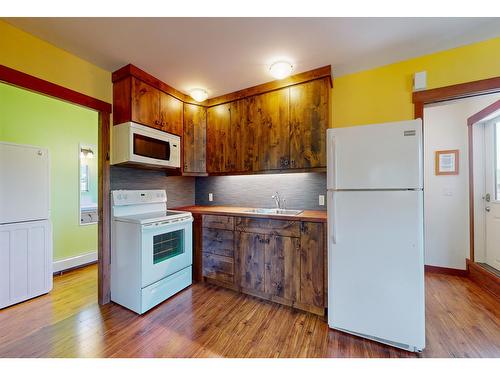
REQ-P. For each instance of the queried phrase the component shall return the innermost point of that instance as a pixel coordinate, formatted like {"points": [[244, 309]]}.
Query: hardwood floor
{"points": [[207, 321]]}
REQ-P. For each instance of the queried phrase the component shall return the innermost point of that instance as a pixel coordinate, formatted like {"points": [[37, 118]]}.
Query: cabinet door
{"points": [[312, 266], [269, 116], [241, 138], [170, 114], [194, 139], [250, 252], [282, 267], [308, 123], [218, 146], [145, 104]]}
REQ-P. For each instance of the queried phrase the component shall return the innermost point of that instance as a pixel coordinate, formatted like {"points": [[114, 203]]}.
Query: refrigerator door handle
{"points": [[331, 160], [332, 225]]}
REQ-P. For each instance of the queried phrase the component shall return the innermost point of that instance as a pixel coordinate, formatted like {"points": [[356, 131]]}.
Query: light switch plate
{"points": [[321, 200], [210, 197]]}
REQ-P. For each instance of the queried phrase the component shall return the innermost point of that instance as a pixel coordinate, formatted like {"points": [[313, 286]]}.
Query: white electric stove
{"points": [[151, 249]]}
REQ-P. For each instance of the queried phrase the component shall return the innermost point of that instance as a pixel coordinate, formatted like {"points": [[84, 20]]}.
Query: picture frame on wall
{"points": [[446, 162]]}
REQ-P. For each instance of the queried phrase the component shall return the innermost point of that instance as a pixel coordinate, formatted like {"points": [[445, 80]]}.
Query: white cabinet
{"points": [[25, 261]]}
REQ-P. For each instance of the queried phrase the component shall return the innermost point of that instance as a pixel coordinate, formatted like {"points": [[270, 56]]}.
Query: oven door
{"points": [[166, 249]]}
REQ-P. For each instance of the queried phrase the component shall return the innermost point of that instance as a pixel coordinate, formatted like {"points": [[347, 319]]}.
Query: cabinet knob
{"points": [[157, 122]]}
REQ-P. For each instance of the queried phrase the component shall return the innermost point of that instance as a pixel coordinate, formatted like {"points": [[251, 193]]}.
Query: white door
{"points": [[380, 156], [492, 190], [376, 265], [24, 183]]}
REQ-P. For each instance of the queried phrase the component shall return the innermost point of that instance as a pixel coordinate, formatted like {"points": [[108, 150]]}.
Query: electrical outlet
{"points": [[210, 197], [321, 200]]}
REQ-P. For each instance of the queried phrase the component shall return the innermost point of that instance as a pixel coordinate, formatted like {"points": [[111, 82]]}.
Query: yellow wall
{"points": [[385, 94], [31, 55]]}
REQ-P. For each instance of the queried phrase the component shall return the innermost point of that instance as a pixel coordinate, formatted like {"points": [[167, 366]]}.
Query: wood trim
{"points": [[486, 279], [134, 71], [325, 71], [461, 90], [446, 271], [41, 86], [482, 114], [471, 191], [103, 234], [418, 110]]}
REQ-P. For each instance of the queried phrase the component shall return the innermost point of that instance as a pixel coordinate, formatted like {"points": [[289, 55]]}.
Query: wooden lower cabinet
{"points": [[282, 268], [267, 258], [250, 248]]}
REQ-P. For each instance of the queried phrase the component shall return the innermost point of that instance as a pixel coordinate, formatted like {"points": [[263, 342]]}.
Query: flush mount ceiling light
{"points": [[199, 95], [281, 69]]}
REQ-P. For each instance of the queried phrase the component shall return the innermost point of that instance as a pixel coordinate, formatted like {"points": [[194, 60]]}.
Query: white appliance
{"points": [[25, 228], [151, 249], [375, 233], [138, 144]]}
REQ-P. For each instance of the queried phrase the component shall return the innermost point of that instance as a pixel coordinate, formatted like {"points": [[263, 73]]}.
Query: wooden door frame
{"points": [[459, 91], [104, 109]]}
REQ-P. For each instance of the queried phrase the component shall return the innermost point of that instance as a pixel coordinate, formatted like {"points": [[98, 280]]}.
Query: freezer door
{"points": [[381, 156], [376, 266], [24, 183]]}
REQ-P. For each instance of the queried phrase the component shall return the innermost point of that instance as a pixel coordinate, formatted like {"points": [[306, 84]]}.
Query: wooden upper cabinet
{"points": [[137, 101], [268, 119], [170, 114], [241, 138], [309, 117], [194, 138], [145, 104], [218, 140]]}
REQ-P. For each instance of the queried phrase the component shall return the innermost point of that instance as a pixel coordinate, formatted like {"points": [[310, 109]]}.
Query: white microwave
{"points": [[138, 144]]}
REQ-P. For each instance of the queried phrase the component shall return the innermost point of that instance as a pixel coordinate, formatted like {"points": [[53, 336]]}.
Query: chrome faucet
{"points": [[278, 201]]}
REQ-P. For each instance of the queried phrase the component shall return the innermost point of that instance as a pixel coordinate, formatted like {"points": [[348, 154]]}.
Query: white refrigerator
{"points": [[25, 227], [375, 233]]}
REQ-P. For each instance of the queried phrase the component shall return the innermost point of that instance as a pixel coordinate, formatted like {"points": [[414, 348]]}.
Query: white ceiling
{"points": [[228, 54]]}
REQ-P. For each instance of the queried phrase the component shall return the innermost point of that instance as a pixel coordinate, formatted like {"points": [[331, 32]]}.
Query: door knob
{"points": [[487, 197], [488, 209]]}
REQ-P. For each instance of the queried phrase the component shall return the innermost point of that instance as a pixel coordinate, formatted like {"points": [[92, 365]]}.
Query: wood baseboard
{"points": [[447, 271], [484, 278]]}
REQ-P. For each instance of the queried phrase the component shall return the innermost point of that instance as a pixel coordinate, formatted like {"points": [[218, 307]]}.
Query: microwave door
{"points": [[152, 148]]}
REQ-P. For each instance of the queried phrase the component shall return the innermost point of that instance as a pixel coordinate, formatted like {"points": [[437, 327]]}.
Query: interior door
{"points": [[492, 196]]}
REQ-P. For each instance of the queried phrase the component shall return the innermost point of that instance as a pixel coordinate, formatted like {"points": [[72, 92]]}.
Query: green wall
{"points": [[30, 118]]}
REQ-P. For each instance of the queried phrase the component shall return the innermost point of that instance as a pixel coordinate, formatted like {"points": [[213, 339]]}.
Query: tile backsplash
{"points": [[300, 190], [180, 190]]}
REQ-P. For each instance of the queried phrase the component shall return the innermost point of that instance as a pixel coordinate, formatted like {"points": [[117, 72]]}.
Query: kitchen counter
{"points": [[306, 215]]}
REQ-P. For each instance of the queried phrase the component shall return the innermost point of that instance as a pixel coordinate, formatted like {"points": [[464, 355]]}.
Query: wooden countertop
{"points": [[307, 215]]}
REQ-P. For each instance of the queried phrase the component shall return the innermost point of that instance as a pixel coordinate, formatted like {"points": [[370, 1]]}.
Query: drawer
{"points": [[158, 292], [268, 226], [218, 267], [218, 242], [218, 222]]}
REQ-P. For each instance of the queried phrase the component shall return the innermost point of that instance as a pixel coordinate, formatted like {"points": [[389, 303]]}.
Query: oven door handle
{"points": [[161, 224]]}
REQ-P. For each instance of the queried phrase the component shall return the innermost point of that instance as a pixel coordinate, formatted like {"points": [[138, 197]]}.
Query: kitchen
{"points": [[240, 199]]}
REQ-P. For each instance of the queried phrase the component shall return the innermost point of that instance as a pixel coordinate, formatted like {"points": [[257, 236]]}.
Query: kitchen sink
{"points": [[274, 211]]}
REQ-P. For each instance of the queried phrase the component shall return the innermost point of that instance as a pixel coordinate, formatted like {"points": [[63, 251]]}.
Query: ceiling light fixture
{"points": [[199, 95], [281, 69]]}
